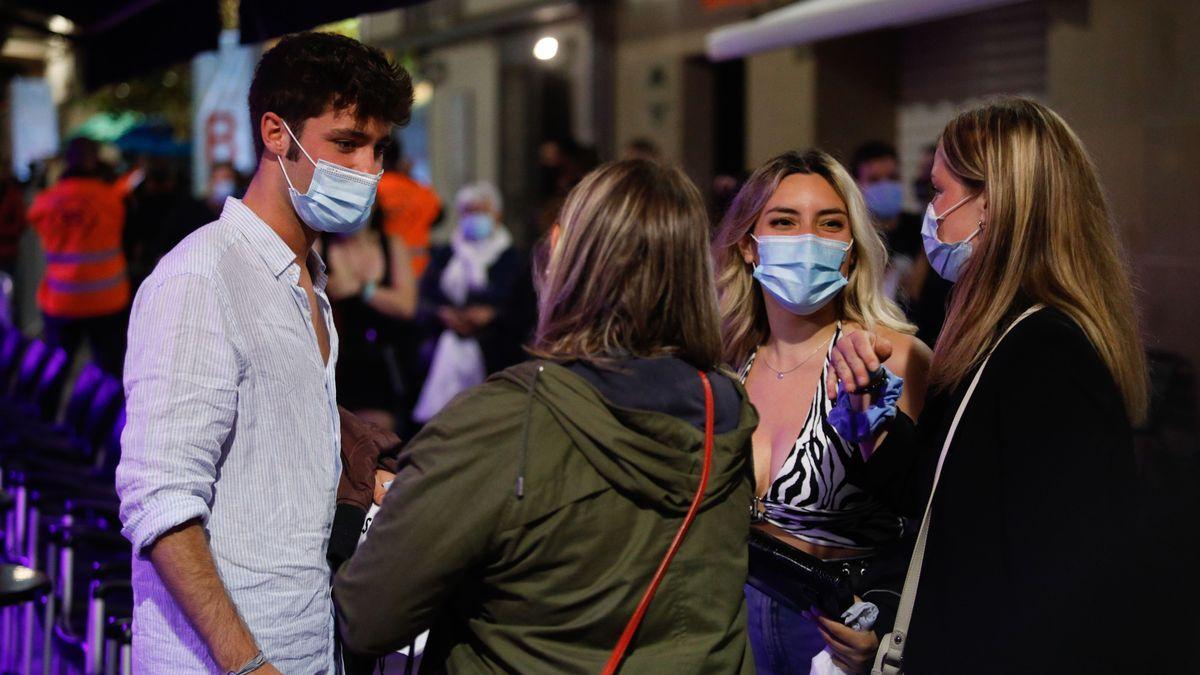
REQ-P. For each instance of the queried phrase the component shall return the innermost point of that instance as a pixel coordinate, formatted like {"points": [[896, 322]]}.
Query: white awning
{"points": [[812, 20]]}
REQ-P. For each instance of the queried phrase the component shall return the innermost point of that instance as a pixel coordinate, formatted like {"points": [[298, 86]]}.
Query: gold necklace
{"points": [[780, 373]]}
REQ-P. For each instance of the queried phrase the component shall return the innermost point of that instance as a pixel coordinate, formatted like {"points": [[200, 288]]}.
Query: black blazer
{"points": [[1025, 567]]}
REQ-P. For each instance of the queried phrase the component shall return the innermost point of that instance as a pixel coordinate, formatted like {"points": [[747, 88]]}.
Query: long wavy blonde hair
{"points": [[1049, 238], [629, 274], [743, 310]]}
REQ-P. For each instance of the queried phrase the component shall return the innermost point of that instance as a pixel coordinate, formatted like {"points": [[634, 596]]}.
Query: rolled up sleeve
{"points": [[181, 375]]}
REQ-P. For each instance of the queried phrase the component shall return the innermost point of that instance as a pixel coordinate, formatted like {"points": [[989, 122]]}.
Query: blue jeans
{"points": [[783, 640]]}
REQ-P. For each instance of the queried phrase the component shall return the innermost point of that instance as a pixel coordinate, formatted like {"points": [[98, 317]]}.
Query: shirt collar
{"points": [[269, 246], [317, 263]]}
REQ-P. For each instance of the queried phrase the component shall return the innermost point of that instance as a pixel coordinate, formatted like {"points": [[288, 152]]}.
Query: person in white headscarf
{"points": [[464, 291]]}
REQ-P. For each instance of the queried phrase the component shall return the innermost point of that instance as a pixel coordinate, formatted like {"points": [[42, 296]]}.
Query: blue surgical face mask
{"points": [[885, 199], [802, 272], [947, 259], [476, 226], [338, 200]]}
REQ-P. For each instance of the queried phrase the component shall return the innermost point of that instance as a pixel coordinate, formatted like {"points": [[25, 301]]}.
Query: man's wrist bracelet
{"points": [[252, 665]]}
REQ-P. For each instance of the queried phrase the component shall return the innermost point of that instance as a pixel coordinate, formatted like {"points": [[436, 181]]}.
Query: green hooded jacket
{"points": [[527, 520]]}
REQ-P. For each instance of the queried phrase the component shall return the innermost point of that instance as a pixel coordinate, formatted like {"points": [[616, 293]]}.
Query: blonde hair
{"points": [[630, 274], [1049, 238], [743, 310]]}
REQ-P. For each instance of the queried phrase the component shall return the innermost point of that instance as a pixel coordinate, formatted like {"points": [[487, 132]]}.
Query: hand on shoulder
{"points": [[859, 351]]}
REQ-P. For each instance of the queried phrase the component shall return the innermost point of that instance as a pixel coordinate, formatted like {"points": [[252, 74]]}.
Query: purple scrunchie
{"points": [[861, 426]]}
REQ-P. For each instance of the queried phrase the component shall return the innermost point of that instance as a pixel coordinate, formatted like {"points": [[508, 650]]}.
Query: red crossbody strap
{"points": [[618, 652]]}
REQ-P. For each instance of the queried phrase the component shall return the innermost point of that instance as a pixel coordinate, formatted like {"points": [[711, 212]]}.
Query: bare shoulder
{"points": [[908, 353]]}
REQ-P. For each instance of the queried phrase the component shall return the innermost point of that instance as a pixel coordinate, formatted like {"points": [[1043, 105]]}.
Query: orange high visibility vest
{"points": [[80, 222], [408, 210]]}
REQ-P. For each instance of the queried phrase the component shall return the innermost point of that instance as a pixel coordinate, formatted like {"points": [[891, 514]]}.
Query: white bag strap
{"points": [[890, 657]]}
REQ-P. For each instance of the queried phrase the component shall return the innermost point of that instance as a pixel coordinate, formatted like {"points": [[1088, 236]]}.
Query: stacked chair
{"points": [[64, 566]]}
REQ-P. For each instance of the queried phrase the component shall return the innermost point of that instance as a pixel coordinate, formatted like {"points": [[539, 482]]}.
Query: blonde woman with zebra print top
{"points": [[799, 263]]}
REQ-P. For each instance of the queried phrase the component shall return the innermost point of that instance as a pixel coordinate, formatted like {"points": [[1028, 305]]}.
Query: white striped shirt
{"points": [[232, 420]]}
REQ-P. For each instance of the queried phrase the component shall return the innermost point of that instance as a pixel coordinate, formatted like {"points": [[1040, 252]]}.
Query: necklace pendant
{"points": [[779, 376]]}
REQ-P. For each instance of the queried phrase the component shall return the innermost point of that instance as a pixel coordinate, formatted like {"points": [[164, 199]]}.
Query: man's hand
{"points": [[853, 650]]}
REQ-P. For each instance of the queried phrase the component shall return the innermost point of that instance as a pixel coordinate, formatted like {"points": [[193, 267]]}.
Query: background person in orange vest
{"points": [[85, 292], [407, 208]]}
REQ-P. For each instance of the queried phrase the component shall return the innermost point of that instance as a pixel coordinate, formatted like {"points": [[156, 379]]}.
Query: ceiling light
{"points": [[545, 49], [422, 93], [61, 25]]}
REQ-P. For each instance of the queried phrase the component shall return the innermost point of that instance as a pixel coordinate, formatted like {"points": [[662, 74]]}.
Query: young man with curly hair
{"points": [[230, 459]]}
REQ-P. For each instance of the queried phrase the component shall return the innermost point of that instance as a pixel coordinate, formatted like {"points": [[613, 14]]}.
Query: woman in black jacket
{"points": [[1028, 563]]}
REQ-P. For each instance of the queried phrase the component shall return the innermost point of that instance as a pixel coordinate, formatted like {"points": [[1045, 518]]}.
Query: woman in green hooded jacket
{"points": [[528, 518]]}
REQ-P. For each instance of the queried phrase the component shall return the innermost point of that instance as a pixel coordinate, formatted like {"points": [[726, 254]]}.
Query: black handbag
{"points": [[797, 579]]}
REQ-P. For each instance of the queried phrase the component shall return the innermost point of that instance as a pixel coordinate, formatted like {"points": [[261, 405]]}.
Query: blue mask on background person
{"points": [[338, 200], [803, 272], [885, 198], [476, 226], [946, 259]]}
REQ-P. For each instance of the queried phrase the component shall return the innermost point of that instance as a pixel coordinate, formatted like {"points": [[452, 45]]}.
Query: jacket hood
{"points": [[652, 457]]}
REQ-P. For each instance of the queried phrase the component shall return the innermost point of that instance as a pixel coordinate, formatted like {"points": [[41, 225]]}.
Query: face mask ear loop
{"points": [[950, 210], [285, 174], [280, 159], [757, 243], [297, 141]]}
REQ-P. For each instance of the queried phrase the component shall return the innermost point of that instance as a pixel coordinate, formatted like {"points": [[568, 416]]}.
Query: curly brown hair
{"points": [[306, 74]]}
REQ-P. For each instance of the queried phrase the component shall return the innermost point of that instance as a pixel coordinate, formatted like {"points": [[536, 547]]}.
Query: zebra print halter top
{"points": [[813, 497]]}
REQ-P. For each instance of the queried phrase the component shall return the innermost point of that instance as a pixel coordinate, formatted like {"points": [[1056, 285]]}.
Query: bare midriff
{"points": [[818, 550]]}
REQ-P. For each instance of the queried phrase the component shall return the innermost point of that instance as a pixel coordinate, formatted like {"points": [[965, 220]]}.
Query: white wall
{"points": [[649, 107], [574, 36], [781, 103], [780, 96], [483, 7]]}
